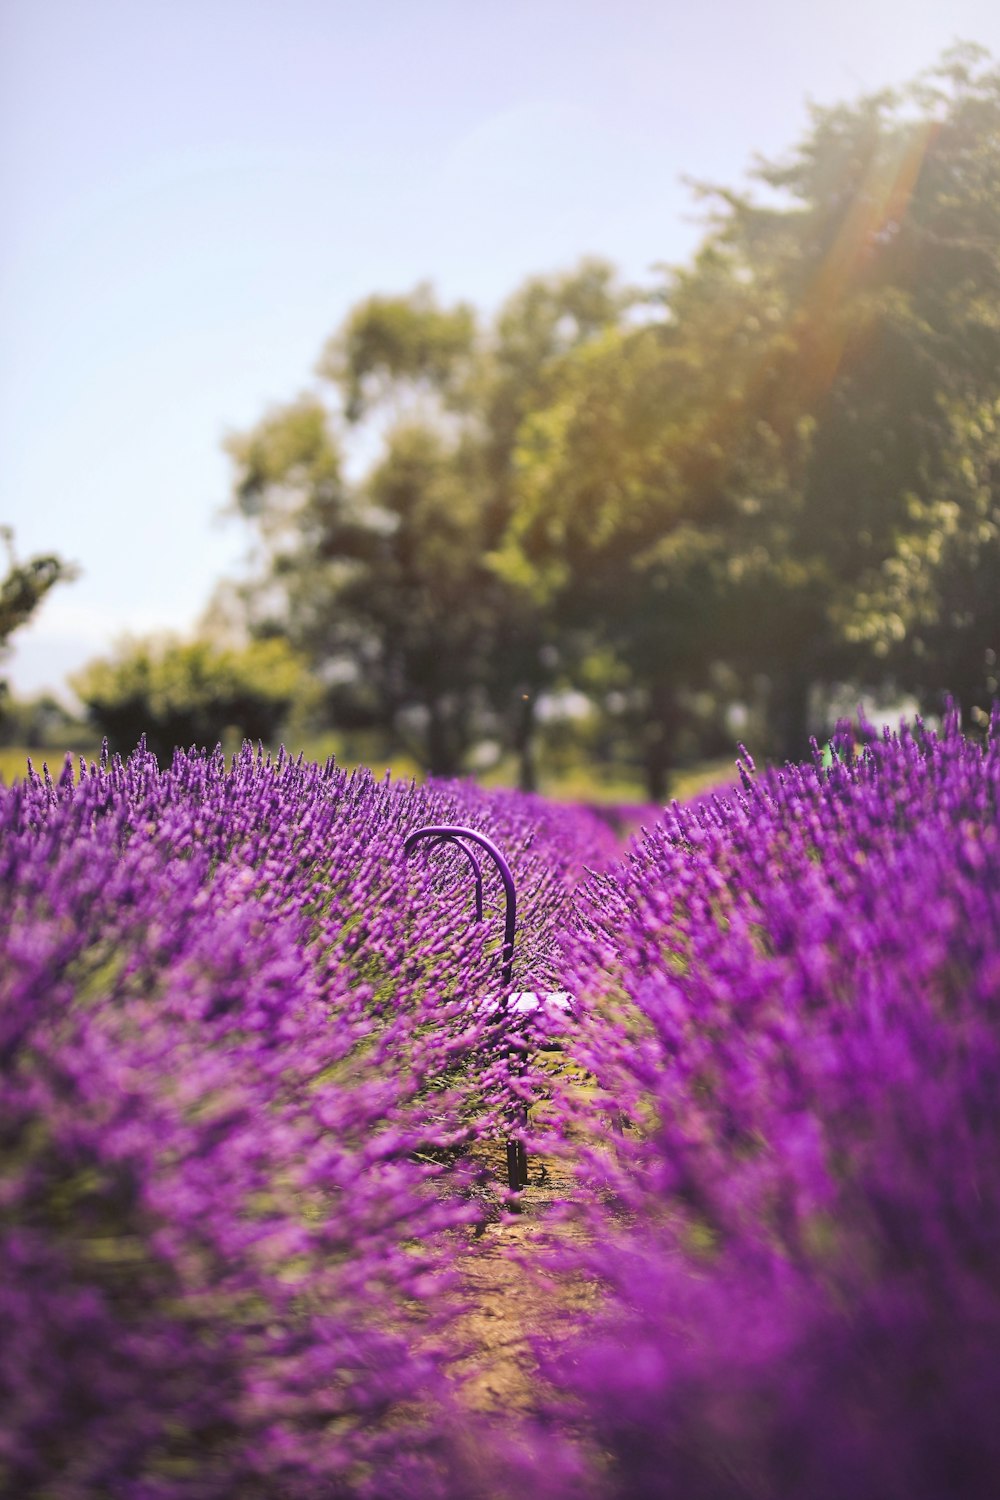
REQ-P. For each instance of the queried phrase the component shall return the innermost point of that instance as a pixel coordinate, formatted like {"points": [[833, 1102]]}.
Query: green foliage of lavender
{"points": [[239, 1036], [793, 996]]}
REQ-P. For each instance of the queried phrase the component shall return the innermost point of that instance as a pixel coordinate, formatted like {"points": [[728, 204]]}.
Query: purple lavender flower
{"points": [[237, 1032], [792, 995]]}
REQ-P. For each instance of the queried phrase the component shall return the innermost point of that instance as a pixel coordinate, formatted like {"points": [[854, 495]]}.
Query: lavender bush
{"points": [[793, 996], [238, 1032]]}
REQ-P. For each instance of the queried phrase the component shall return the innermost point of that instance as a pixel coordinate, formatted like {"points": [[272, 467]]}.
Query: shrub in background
{"points": [[187, 694]]}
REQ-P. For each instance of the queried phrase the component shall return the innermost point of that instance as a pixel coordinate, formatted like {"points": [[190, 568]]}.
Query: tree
{"points": [[885, 257], [933, 612], [39, 722], [24, 587], [26, 584], [183, 694], [401, 599], [386, 583], [626, 497], [738, 479], [543, 324], [776, 468], [388, 344], [380, 585]]}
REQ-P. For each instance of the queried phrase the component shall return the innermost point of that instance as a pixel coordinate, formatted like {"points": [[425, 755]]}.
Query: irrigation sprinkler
{"points": [[467, 839], [477, 869], [463, 837]]}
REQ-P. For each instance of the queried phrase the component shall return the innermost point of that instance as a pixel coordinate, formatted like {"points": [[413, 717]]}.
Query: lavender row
{"points": [[791, 997], [239, 1034]]}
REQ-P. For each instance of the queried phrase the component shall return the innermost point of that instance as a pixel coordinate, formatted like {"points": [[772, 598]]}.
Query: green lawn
{"points": [[14, 759], [579, 783]]}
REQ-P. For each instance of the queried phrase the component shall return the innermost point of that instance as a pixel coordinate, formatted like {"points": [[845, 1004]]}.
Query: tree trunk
{"points": [[660, 740], [524, 743], [972, 701], [443, 758], [790, 714]]}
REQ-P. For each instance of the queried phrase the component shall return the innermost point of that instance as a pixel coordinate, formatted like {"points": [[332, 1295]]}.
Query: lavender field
{"points": [[258, 1080]]}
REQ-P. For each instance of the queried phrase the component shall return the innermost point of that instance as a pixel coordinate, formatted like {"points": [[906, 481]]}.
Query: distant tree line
{"points": [[183, 693], [773, 473]]}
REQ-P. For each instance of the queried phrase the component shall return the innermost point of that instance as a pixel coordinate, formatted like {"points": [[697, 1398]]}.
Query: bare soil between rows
{"points": [[511, 1300]]}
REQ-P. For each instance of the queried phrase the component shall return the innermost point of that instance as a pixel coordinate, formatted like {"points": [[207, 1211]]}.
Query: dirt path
{"points": [[508, 1304]]}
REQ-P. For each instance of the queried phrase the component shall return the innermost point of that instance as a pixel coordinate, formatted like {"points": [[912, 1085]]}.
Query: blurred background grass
{"points": [[582, 782]]}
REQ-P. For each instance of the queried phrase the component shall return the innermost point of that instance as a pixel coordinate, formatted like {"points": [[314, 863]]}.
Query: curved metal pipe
{"points": [[517, 1157], [447, 834], [477, 869]]}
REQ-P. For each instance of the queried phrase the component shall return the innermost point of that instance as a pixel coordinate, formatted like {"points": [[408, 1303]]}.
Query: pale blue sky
{"points": [[194, 192]]}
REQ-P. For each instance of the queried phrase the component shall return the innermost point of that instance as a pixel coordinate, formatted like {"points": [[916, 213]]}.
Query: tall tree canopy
{"points": [[387, 583], [796, 459], [776, 468]]}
